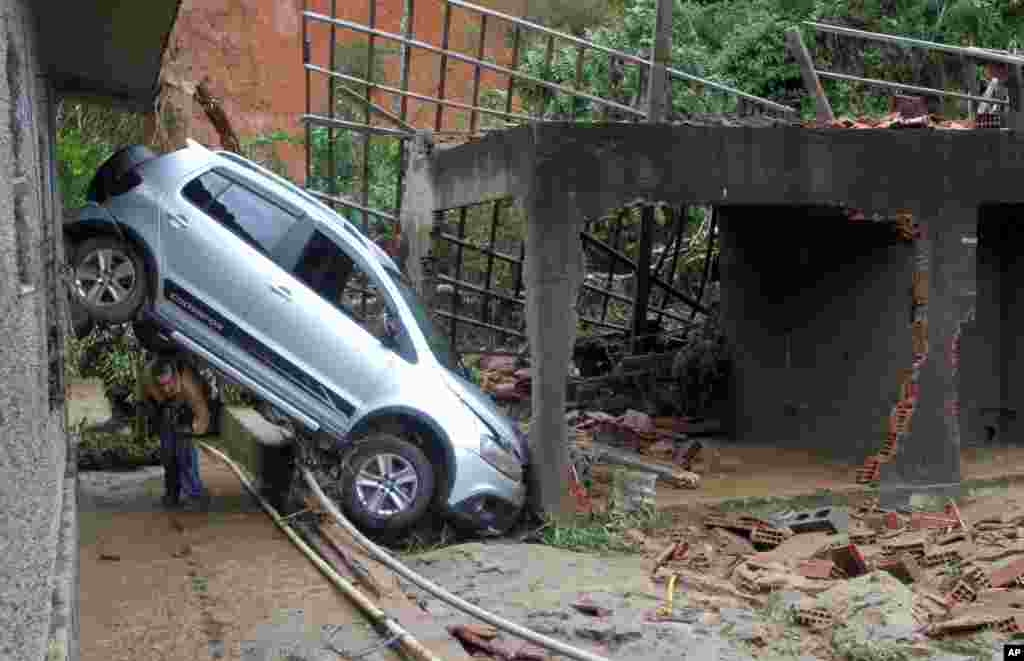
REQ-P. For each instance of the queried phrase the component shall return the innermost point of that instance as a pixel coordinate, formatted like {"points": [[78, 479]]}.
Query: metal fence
{"points": [[478, 251]]}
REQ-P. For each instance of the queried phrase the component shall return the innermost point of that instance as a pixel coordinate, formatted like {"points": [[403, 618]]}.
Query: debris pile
{"points": [[505, 378], [863, 574], [897, 120]]}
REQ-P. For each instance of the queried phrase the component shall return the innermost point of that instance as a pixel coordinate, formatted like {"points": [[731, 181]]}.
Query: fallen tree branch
{"points": [[220, 120]]}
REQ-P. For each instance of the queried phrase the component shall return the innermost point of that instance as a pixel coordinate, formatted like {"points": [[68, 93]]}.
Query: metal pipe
{"points": [[345, 202], [332, 184], [443, 74], [414, 95], [355, 126], [469, 244], [409, 645], [907, 88], [436, 590], [473, 322], [972, 51], [686, 298], [676, 73], [515, 67], [474, 116], [472, 60]]}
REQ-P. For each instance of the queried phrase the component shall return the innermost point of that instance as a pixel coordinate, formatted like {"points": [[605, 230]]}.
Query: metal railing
{"points": [[972, 52]]}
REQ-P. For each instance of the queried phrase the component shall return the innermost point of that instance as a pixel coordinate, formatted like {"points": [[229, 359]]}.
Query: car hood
{"points": [[483, 406]]}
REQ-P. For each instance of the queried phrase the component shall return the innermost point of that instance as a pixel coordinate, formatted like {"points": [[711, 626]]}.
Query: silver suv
{"points": [[278, 292]]}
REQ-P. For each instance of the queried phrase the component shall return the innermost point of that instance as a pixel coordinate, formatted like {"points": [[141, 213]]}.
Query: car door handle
{"points": [[282, 291], [178, 220]]}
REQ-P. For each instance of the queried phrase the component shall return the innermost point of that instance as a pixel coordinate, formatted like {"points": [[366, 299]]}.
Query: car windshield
{"points": [[439, 344]]}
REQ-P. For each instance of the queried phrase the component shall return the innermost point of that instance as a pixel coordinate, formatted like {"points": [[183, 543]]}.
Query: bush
{"points": [[108, 451]]}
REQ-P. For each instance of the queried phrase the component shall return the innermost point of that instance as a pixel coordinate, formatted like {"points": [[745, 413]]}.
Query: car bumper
{"points": [[484, 498]]}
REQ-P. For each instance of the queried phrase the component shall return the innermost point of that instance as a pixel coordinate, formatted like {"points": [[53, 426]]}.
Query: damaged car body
{"points": [[283, 295]]}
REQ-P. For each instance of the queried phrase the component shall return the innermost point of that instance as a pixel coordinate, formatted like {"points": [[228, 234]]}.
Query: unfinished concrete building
{"points": [[111, 53], [866, 275]]}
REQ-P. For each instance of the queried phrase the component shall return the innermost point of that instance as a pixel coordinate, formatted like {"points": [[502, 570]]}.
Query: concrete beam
{"points": [[608, 164]]}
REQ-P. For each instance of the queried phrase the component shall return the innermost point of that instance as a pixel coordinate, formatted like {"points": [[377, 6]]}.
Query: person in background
{"points": [[175, 402]]}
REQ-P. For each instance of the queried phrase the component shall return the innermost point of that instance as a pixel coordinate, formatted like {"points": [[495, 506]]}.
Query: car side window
{"points": [[252, 217], [338, 279]]}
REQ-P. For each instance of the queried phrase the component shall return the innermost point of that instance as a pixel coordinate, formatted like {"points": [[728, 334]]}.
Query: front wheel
{"points": [[109, 279], [387, 484]]}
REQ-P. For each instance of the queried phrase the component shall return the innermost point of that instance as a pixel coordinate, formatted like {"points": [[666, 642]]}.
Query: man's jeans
{"points": [[181, 465]]}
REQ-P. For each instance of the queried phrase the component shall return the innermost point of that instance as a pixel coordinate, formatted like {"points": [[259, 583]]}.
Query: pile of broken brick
{"points": [[506, 378], [962, 578]]}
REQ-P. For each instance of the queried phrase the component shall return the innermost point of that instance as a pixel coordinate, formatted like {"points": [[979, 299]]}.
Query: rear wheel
{"points": [[387, 484], [109, 279]]}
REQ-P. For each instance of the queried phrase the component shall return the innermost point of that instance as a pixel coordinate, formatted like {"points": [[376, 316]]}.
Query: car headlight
{"points": [[499, 457]]}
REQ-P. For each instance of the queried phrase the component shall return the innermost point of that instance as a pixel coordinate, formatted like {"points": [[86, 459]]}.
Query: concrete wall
{"points": [[36, 477], [992, 397], [818, 313]]}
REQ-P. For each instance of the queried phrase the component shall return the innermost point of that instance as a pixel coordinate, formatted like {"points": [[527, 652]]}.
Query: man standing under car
{"points": [[169, 391]]}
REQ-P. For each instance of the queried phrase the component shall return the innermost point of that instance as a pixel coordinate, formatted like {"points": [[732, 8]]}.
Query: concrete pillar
{"points": [[553, 274], [417, 218], [928, 455]]}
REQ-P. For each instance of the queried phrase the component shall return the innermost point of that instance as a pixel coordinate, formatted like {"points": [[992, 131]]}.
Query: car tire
{"points": [[379, 457], [115, 294]]}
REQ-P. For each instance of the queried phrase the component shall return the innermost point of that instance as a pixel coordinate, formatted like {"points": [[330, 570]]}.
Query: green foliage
{"points": [[262, 149], [107, 451], [110, 354], [87, 135], [740, 43], [603, 532]]}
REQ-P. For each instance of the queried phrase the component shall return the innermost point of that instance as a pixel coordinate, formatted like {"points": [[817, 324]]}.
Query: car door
{"points": [[217, 237], [322, 326]]}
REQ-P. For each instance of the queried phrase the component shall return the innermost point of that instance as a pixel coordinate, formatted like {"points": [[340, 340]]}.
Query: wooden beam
{"points": [[795, 43]]}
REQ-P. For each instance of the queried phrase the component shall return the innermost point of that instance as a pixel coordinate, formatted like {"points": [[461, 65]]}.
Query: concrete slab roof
{"points": [[106, 49], [605, 166]]}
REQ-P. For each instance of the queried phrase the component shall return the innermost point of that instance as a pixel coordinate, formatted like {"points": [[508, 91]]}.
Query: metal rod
{"points": [[444, 52], [355, 126], [359, 97], [579, 75], [519, 268], [549, 55], [907, 88], [602, 324], [712, 235], [990, 92], [676, 73], [332, 184], [642, 289], [515, 66], [462, 284], [352, 204], [414, 95], [495, 219], [406, 60], [443, 76], [686, 298], [305, 58], [670, 213], [684, 215], [480, 324], [469, 244], [367, 136], [611, 266], [458, 275], [474, 116], [977, 53]]}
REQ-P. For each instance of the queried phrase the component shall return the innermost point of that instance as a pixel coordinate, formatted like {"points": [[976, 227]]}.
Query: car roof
{"points": [[307, 198]]}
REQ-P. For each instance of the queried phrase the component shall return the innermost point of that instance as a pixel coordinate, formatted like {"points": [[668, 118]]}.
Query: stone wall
{"points": [[36, 473]]}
